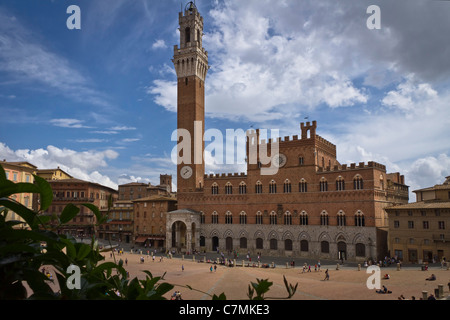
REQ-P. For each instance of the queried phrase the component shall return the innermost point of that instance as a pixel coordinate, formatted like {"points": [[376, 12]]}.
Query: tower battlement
{"points": [[308, 132], [353, 166]]}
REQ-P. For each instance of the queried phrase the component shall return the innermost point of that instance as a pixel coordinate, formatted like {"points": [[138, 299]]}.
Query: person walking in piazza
{"points": [[327, 275]]}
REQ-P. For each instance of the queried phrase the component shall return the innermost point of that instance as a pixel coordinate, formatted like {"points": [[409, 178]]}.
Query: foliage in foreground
{"points": [[22, 256]]}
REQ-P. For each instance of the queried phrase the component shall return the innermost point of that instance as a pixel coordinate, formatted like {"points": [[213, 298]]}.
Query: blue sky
{"points": [[100, 102]]}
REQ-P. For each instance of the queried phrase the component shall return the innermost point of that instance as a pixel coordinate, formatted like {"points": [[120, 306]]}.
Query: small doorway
{"points": [[342, 251], [229, 243], [215, 243], [427, 256], [412, 255]]}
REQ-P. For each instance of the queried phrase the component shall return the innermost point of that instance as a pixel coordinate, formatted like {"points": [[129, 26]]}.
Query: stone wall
{"points": [[314, 235]]}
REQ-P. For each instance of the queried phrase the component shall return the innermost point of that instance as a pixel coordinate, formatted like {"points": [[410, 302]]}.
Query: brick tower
{"points": [[191, 64]]}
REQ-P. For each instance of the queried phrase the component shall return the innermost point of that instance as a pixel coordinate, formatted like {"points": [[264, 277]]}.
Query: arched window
{"points": [[228, 218], [287, 186], [359, 219], [228, 188], [287, 218], [243, 243], [215, 188], [273, 217], [303, 218], [360, 250], [202, 217], [325, 247], [341, 218], [324, 220], [323, 184], [243, 218], [358, 183], [288, 245], [215, 218], [340, 184], [301, 160], [187, 34], [258, 187], [259, 243], [304, 246], [273, 187], [259, 218], [273, 244], [242, 188], [303, 186]]}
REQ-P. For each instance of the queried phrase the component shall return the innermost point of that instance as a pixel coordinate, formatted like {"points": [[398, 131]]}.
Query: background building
{"points": [[139, 216], [53, 174], [77, 192], [21, 172], [119, 227], [419, 232], [150, 220]]}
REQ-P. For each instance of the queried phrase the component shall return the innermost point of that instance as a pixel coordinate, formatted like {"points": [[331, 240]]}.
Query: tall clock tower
{"points": [[191, 64]]}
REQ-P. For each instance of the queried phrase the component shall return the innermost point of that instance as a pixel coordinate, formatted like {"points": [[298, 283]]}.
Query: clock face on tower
{"points": [[186, 172], [279, 160]]}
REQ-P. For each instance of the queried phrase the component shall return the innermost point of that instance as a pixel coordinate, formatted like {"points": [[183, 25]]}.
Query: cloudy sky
{"points": [[100, 102]]}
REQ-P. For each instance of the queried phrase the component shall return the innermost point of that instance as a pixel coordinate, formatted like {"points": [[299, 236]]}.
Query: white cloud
{"points": [[122, 128], [68, 123], [82, 165], [411, 96], [125, 178], [165, 94], [105, 132], [130, 140], [92, 140], [260, 63], [427, 172], [159, 44]]}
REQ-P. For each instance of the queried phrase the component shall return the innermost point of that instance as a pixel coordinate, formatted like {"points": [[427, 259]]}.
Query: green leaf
{"points": [[69, 212], [83, 251], [16, 247], [2, 174], [220, 297], [163, 288], [70, 248], [45, 192], [23, 234], [100, 218], [109, 266], [8, 188], [26, 214]]}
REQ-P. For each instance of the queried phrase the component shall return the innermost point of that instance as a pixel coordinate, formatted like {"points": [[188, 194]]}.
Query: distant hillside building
{"points": [[420, 231]]}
